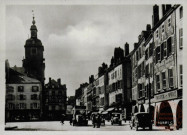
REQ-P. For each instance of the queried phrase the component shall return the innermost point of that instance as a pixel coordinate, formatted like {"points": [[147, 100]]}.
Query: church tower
{"points": [[34, 62]]}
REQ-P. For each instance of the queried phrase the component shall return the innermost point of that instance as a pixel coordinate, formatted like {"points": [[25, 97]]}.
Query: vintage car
{"points": [[79, 120], [142, 120], [79, 116], [116, 118]]}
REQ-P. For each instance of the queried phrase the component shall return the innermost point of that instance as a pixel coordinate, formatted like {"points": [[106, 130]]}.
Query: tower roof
{"points": [[33, 26]]}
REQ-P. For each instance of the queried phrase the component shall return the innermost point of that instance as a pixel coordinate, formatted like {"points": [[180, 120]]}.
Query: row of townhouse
{"points": [[157, 71], [149, 78], [110, 89]]}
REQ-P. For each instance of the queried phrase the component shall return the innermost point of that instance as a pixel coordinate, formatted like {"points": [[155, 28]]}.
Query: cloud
{"points": [[77, 39], [14, 39]]}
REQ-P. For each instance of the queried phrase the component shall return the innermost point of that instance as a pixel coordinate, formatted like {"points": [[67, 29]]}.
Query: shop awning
{"points": [[109, 109], [104, 112]]}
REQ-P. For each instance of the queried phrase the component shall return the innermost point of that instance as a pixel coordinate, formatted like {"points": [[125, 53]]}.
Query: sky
{"points": [[77, 39]]}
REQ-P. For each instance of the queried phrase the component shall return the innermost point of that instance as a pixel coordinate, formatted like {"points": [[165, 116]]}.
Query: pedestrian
{"points": [[98, 121], [70, 121], [62, 119], [94, 121]]}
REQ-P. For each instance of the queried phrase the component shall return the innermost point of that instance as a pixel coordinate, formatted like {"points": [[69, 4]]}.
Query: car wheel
{"points": [[131, 127], [136, 128], [150, 127]]}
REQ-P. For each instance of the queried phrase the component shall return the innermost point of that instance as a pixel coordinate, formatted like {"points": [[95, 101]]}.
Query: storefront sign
{"points": [[166, 96]]}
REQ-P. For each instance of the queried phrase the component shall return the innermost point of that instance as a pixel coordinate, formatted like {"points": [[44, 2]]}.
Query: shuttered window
{"points": [[170, 71], [181, 38]]}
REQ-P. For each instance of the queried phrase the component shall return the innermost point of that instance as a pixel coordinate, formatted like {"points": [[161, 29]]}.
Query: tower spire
{"points": [[33, 27], [33, 21]]}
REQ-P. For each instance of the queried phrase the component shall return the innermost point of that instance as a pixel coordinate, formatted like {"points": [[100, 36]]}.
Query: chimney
{"points": [[139, 37], [135, 45], [163, 10], [155, 17], [99, 71], [91, 79], [126, 49], [168, 7], [148, 27], [49, 80], [59, 81]]}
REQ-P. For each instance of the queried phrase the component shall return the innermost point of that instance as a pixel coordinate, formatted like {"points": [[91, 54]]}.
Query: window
{"points": [[10, 97], [11, 106], [142, 70], [150, 49], [158, 54], [22, 97], [146, 54], [181, 75], [162, 51], [33, 51], [181, 12], [180, 38], [137, 55], [146, 90], [163, 28], [10, 89], [170, 71], [141, 90], [169, 47], [115, 74], [151, 69], [21, 106], [147, 70], [156, 33], [34, 88], [158, 82], [34, 97], [53, 107], [165, 50], [164, 80], [34, 105], [169, 22], [140, 53], [20, 89]]}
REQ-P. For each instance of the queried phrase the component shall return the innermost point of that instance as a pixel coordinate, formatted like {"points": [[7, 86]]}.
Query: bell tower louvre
{"points": [[34, 62]]}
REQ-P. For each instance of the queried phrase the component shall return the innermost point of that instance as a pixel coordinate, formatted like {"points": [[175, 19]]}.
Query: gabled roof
{"points": [[18, 78]]}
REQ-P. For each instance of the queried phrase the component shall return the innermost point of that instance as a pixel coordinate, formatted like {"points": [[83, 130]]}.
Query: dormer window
{"points": [[156, 33], [163, 28], [169, 22]]}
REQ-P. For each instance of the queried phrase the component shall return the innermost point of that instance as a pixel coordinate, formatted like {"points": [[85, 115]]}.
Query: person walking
{"points": [[98, 121], [94, 121], [62, 119], [71, 120]]}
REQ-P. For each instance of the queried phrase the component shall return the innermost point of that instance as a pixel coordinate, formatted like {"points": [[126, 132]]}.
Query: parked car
{"points": [[116, 118], [142, 120]]}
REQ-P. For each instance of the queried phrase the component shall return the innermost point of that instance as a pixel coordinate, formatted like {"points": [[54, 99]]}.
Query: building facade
{"points": [[23, 97], [55, 100], [167, 35]]}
